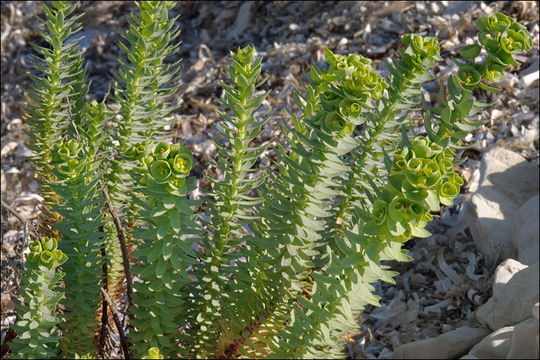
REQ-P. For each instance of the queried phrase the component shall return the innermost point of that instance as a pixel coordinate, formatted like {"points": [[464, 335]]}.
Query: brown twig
{"points": [[11, 210], [71, 120], [107, 93], [121, 239], [116, 319], [104, 317]]}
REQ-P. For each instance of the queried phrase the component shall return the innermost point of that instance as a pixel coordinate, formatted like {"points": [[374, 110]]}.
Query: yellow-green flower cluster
{"points": [[420, 179], [164, 164], [153, 353], [66, 156], [501, 36], [356, 75], [352, 87], [421, 53], [45, 253]]}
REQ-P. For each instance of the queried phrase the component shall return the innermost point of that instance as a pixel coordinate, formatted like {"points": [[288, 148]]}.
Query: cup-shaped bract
{"points": [[468, 75], [494, 71], [160, 171], [182, 163], [380, 211], [431, 171], [515, 42], [334, 122], [161, 151], [497, 22]]}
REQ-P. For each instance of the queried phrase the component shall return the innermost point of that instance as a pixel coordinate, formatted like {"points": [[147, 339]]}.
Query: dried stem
{"points": [[104, 317], [11, 210], [122, 239], [71, 120], [116, 319]]}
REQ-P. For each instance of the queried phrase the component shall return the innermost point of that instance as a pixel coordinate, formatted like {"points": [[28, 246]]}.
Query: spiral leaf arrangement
{"points": [[164, 250], [501, 38], [142, 85], [215, 294], [58, 87], [81, 241], [38, 325], [141, 88], [283, 257]]}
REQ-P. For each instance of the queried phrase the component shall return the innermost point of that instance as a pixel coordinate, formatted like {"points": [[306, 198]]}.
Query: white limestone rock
{"points": [[526, 231], [489, 214], [524, 343], [506, 181], [494, 346], [504, 273], [514, 302], [450, 345], [510, 173]]}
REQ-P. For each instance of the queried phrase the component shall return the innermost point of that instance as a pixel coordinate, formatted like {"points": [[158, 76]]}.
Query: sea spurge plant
{"points": [[450, 124], [59, 89], [412, 192], [153, 353], [37, 327], [305, 187], [279, 260], [215, 293], [81, 241], [164, 247]]}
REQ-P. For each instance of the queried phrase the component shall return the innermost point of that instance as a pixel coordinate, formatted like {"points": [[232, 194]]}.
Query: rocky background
{"points": [[473, 285]]}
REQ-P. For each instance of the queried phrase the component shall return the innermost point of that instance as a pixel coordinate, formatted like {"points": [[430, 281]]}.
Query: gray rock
{"points": [[526, 231], [506, 181], [489, 214], [514, 302], [535, 311], [455, 7], [449, 345], [504, 273], [510, 173], [494, 346], [525, 340]]}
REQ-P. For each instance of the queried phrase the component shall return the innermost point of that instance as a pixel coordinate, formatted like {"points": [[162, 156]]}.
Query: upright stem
{"points": [[121, 239]]}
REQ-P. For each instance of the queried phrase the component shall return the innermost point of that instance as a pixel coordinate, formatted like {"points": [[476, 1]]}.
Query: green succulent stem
{"points": [[62, 82], [280, 259], [37, 327]]}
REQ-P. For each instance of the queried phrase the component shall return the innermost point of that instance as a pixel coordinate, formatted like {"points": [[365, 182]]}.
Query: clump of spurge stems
{"points": [[282, 262]]}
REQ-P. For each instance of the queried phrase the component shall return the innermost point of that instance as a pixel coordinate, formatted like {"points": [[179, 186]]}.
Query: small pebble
{"points": [[446, 328]]}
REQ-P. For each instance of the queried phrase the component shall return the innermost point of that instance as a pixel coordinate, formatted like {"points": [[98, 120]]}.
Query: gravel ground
{"points": [[427, 299]]}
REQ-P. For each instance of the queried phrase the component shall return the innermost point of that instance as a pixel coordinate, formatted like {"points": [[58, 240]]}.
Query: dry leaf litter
{"points": [[447, 281]]}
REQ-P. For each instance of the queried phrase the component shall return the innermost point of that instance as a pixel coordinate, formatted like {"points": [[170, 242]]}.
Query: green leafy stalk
{"points": [[382, 131], [348, 265], [81, 241], [78, 170], [307, 178], [59, 87], [37, 325], [501, 37], [164, 251], [144, 74], [140, 88], [216, 294]]}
